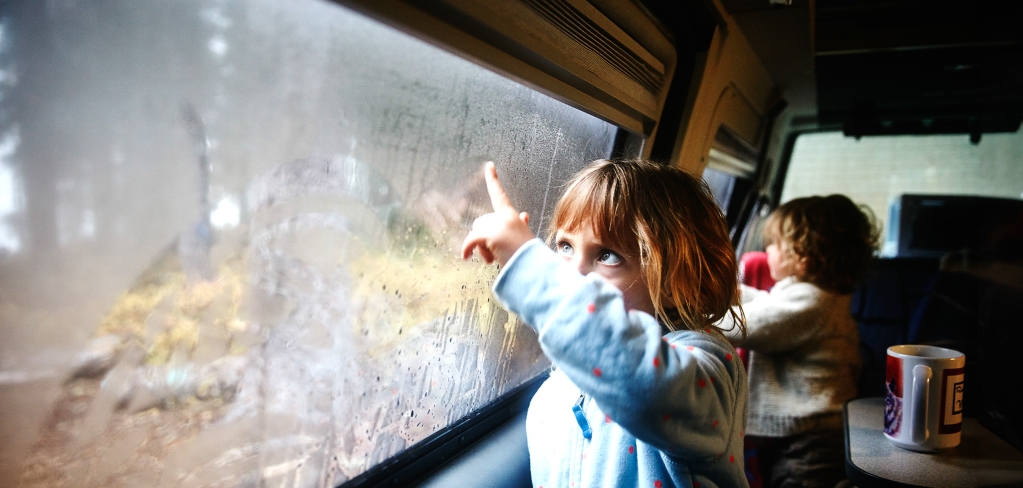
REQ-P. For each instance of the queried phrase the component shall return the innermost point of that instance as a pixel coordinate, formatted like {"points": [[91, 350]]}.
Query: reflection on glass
{"points": [[228, 239]]}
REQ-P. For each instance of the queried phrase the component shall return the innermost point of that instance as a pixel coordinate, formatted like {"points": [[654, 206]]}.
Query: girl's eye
{"points": [[609, 258], [565, 249]]}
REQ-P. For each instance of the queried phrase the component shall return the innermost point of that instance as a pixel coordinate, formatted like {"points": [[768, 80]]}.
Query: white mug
{"points": [[923, 407]]}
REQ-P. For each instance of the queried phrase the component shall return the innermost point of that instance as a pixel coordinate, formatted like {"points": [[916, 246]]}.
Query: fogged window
{"points": [[228, 239], [874, 170]]}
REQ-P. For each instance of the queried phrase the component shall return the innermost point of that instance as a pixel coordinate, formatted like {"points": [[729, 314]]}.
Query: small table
{"points": [[981, 459]]}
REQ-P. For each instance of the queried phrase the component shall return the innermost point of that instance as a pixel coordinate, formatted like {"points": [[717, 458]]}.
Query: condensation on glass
{"points": [[229, 236]]}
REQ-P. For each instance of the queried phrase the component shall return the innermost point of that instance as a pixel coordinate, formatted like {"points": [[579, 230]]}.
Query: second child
{"points": [[804, 359]]}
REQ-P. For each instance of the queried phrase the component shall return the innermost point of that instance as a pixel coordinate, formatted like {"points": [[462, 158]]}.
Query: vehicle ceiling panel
{"points": [[912, 67], [892, 66]]}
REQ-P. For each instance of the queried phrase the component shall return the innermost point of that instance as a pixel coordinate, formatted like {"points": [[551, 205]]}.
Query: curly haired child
{"points": [[804, 358], [646, 390]]}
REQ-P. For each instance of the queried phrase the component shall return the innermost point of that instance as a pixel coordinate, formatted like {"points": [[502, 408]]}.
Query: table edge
{"points": [[860, 477]]}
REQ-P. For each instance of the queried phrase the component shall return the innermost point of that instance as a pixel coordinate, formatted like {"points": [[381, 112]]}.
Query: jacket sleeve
{"points": [[680, 396], [784, 319]]}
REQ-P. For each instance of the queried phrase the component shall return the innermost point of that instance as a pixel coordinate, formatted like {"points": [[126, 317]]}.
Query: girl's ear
{"points": [[800, 266]]}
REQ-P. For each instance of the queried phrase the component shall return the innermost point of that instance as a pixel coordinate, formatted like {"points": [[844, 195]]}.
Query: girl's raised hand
{"points": [[497, 235]]}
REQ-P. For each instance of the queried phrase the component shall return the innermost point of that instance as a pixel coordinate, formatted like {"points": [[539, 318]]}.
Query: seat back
{"points": [[883, 306]]}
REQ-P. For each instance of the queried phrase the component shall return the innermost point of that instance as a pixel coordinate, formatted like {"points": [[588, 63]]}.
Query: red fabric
{"points": [[743, 356], [755, 271]]}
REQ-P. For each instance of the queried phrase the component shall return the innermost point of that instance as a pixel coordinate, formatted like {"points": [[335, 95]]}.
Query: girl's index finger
{"points": [[498, 198]]}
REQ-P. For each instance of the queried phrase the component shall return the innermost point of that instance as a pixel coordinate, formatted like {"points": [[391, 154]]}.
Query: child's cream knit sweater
{"points": [[804, 357]]}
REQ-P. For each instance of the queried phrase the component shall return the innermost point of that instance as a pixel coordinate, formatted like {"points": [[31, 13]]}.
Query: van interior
{"points": [[228, 230], [753, 76]]}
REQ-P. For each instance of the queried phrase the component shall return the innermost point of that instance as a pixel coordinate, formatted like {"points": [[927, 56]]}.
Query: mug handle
{"points": [[921, 384]]}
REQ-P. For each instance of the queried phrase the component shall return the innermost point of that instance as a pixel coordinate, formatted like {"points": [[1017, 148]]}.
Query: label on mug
{"points": [[893, 396], [951, 401]]}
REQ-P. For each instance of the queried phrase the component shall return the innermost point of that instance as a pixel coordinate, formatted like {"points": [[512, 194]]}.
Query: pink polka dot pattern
{"points": [[657, 362], [607, 419], [597, 372], [690, 348], [728, 357], [632, 450], [591, 307], [658, 484]]}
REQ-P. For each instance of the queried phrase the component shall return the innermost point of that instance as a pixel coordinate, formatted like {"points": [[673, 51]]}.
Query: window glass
{"points": [[228, 240], [721, 186], [874, 170]]}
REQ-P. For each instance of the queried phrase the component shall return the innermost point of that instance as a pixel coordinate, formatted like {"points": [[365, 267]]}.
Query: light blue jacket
{"points": [[662, 410]]}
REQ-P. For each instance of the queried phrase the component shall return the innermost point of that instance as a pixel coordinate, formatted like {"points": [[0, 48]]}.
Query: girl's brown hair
{"points": [[670, 220], [835, 238]]}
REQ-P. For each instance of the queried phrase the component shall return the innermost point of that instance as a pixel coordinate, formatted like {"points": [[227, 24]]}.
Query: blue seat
{"points": [[883, 306]]}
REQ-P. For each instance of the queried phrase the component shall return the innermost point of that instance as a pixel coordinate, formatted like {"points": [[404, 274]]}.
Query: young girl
{"points": [[804, 357], [645, 390]]}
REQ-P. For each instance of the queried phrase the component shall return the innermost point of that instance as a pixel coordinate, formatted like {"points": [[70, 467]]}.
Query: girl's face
{"points": [[590, 254], [781, 262]]}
